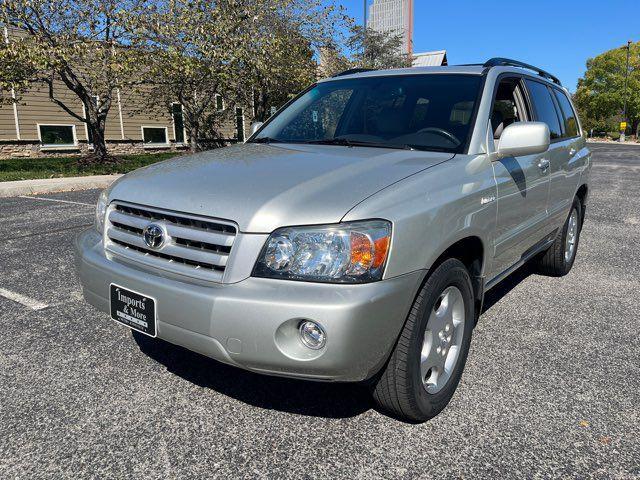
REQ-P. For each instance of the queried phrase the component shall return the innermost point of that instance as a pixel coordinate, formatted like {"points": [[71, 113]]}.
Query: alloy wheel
{"points": [[572, 236], [442, 340]]}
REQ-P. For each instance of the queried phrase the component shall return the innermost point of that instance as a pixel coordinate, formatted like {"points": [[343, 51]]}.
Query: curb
{"points": [[51, 185], [602, 142]]}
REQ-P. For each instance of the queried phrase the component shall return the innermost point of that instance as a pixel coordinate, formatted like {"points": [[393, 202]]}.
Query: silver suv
{"points": [[354, 235]]}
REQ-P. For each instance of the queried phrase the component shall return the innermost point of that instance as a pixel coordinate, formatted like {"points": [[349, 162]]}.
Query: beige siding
{"points": [[7, 122], [136, 112], [14, 32], [112, 128], [35, 108]]}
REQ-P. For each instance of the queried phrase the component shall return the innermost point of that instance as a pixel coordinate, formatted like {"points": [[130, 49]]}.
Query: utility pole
{"points": [[364, 32], [626, 82], [364, 16]]}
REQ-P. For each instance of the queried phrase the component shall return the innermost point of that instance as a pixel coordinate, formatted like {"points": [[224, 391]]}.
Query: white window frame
{"points": [[155, 145], [173, 121], [68, 146]]}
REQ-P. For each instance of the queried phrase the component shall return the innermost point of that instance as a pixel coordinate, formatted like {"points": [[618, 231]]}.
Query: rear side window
{"points": [[568, 114], [544, 107]]}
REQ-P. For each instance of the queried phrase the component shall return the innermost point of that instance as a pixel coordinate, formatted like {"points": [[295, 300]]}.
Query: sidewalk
{"points": [[50, 185]]}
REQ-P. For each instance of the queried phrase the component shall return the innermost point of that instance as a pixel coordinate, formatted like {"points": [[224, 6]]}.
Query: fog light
{"points": [[312, 335]]}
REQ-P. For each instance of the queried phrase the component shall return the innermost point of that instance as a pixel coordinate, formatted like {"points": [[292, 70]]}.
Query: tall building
{"points": [[393, 16]]}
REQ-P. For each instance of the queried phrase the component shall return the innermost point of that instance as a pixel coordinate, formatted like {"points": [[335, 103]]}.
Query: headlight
{"points": [[101, 210], [353, 252]]}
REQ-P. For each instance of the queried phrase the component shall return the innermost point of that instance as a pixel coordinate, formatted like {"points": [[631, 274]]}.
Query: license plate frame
{"points": [[133, 309]]}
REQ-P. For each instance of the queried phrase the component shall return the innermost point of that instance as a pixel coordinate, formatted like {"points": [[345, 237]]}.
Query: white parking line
{"points": [[22, 300], [57, 200]]}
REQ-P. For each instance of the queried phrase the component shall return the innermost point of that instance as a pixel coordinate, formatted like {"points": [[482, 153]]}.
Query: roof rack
{"points": [[507, 62], [352, 71]]}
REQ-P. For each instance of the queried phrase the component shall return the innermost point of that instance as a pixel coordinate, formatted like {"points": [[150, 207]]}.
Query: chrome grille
{"points": [[193, 246]]}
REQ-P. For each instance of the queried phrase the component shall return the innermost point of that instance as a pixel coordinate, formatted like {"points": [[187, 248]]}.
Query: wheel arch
{"points": [[471, 251], [582, 194]]}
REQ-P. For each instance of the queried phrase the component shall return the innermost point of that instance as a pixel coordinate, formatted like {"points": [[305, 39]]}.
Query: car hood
{"points": [[262, 187]]}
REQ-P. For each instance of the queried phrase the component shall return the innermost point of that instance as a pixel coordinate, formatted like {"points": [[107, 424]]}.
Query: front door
{"points": [[523, 182]]}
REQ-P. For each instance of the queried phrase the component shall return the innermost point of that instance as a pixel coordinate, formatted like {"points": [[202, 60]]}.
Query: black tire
{"points": [[399, 389], [553, 262]]}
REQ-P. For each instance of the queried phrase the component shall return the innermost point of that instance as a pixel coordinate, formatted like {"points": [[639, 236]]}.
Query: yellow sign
{"points": [[623, 125]]}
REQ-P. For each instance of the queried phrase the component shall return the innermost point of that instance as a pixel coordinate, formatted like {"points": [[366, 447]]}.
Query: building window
{"points": [[155, 136], [57, 136], [240, 124], [219, 102], [178, 122]]}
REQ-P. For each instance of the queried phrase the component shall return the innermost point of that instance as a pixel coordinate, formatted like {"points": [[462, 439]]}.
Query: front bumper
{"points": [[253, 323]]}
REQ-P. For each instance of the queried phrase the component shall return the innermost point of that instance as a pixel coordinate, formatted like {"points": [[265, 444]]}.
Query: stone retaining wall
{"points": [[26, 149]]}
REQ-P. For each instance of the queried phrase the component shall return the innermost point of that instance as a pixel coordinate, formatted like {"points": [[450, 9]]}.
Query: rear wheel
{"points": [[427, 362], [558, 259]]}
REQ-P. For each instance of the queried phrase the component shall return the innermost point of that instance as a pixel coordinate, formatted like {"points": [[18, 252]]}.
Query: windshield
{"points": [[424, 112]]}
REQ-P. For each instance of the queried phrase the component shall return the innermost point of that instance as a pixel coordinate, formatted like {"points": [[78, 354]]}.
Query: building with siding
{"points": [[437, 58], [35, 126]]}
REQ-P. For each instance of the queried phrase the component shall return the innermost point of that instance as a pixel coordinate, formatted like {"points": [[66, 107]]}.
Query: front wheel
{"points": [[427, 362]]}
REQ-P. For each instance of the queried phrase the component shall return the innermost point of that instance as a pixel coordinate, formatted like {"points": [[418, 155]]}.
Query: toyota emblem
{"points": [[153, 235]]}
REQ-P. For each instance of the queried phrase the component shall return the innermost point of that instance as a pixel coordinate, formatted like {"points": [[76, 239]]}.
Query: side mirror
{"points": [[255, 126], [524, 138]]}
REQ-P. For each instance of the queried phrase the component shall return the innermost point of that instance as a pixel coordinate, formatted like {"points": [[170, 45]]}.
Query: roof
{"points": [[474, 70], [436, 58], [496, 66]]}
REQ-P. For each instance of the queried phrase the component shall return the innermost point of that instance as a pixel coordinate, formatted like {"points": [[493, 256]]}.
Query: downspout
{"points": [[120, 113]]}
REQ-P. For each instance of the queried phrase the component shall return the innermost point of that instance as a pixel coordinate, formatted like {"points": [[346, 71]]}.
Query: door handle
{"points": [[544, 164]]}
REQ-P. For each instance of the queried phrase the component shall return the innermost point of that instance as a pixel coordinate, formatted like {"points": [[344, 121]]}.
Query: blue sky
{"points": [[558, 36]]}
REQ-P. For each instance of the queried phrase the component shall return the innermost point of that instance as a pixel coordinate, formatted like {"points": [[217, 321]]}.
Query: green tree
{"points": [[370, 48], [197, 49], [362, 48], [250, 52], [601, 91], [82, 46], [290, 68], [286, 40], [332, 60]]}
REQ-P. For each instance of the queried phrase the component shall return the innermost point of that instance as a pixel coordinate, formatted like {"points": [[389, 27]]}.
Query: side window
{"points": [[508, 106], [544, 107], [568, 114]]}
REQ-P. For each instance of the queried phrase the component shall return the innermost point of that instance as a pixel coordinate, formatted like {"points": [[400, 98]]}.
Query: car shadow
{"points": [[502, 289], [316, 399]]}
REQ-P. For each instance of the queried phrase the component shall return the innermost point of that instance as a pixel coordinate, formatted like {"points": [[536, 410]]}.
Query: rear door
{"points": [[565, 170], [546, 110]]}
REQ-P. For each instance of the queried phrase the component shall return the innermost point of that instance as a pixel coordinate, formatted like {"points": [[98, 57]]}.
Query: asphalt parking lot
{"points": [[551, 388]]}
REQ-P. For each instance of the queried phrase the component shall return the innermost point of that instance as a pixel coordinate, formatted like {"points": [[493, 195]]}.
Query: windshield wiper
{"points": [[332, 141], [358, 143], [265, 140]]}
